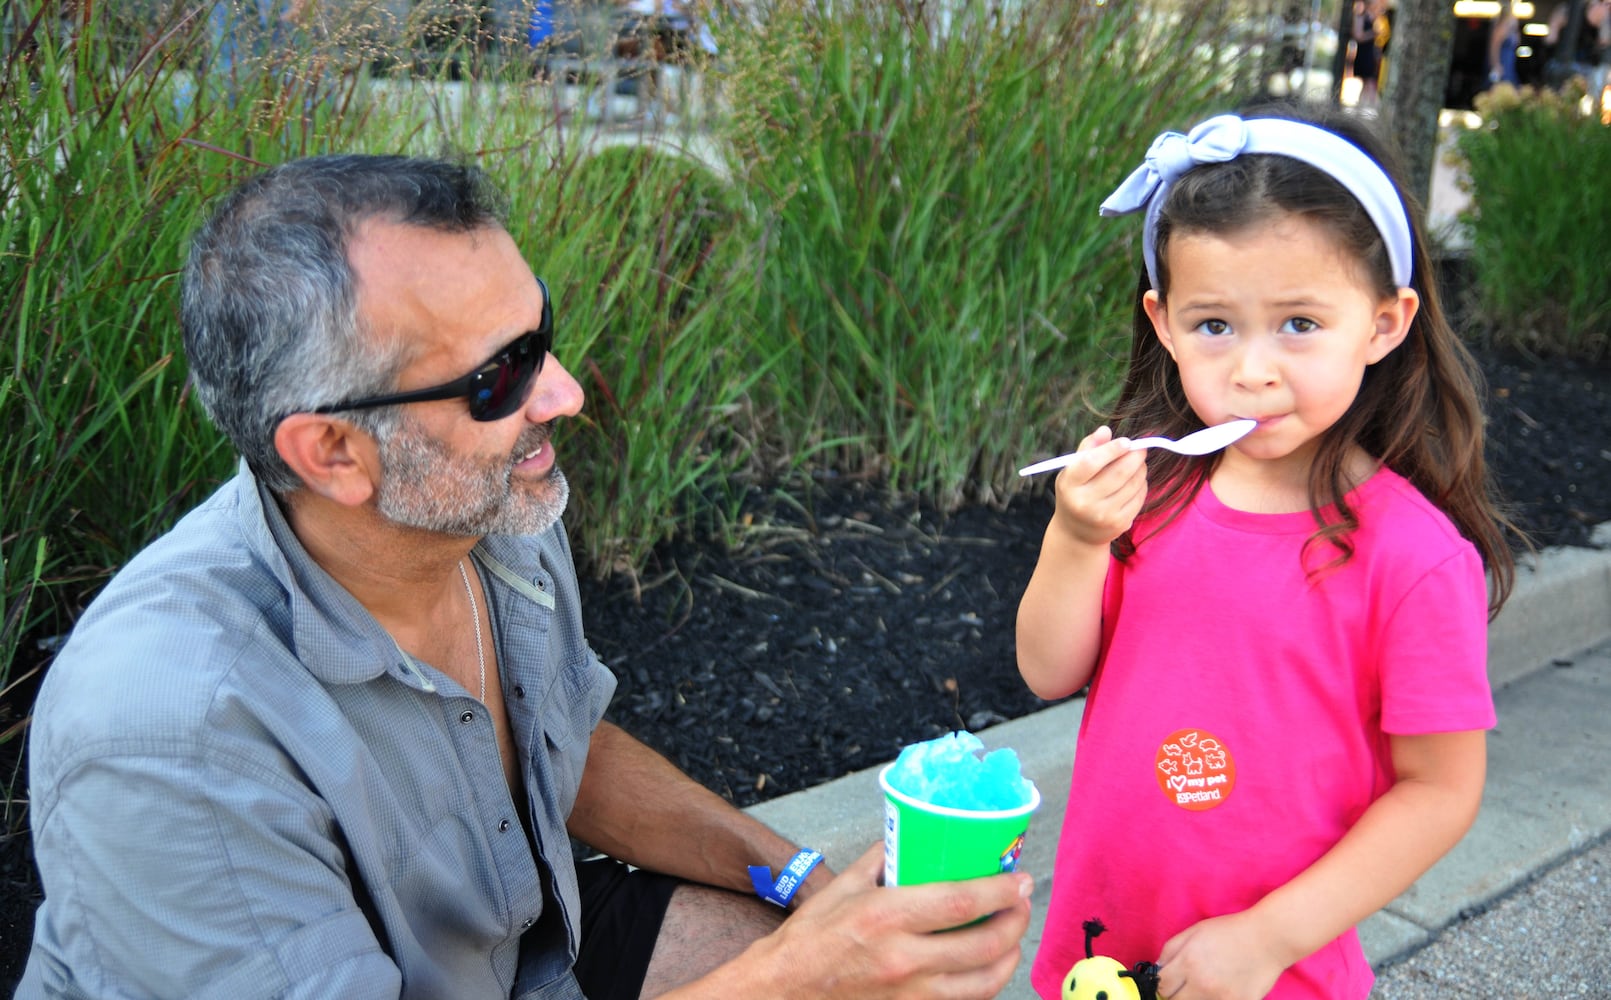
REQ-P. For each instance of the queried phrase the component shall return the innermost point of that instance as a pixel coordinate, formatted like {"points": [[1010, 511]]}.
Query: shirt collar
{"points": [[332, 634]]}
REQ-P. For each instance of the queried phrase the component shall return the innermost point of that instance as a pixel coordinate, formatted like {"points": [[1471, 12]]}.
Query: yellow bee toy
{"points": [[1098, 977]]}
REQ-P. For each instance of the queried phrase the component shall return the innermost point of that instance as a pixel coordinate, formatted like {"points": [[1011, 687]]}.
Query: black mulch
{"points": [[855, 624], [859, 624]]}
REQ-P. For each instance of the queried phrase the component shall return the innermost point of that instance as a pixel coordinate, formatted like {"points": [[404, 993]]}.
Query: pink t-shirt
{"points": [[1237, 722]]}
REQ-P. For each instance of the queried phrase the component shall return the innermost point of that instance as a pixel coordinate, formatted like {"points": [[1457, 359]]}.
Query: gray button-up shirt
{"points": [[242, 787]]}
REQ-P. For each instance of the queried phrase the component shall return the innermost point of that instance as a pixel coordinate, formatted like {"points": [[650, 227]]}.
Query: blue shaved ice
{"points": [[955, 771]]}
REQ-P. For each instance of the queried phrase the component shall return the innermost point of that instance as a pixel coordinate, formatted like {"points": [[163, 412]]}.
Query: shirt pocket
{"points": [[567, 718]]}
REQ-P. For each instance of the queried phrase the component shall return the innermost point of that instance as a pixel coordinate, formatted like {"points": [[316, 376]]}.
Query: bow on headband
{"points": [[1225, 137], [1217, 140]]}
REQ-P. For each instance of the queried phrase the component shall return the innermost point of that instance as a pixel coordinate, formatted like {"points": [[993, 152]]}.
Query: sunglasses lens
{"points": [[501, 389]]}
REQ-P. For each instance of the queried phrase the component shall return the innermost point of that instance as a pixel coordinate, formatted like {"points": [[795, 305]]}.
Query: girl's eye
{"points": [[1214, 327], [1299, 324]]}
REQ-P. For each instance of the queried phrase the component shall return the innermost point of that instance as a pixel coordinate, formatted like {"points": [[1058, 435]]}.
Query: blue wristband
{"points": [[782, 890]]}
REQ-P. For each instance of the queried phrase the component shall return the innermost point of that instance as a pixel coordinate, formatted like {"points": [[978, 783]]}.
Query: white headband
{"points": [[1225, 137]]}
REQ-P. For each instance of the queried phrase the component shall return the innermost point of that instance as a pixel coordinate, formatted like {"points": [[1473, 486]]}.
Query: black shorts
{"points": [[621, 913]]}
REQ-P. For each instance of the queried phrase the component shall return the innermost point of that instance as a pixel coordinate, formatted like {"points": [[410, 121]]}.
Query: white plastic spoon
{"points": [[1209, 439]]}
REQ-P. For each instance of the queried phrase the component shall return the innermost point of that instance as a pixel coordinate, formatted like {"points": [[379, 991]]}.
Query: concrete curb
{"points": [[1549, 782], [1562, 604]]}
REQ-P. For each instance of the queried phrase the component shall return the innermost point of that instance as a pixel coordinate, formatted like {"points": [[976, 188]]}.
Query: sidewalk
{"points": [[1548, 794], [1447, 200]]}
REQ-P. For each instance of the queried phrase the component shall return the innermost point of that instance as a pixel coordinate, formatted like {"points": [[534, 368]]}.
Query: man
{"points": [[330, 737]]}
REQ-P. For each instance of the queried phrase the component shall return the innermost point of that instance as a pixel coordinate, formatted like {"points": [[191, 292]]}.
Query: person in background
{"points": [[1503, 40], [1367, 57], [246, 32], [1384, 40], [333, 734], [246, 29], [1590, 46], [540, 36], [1286, 640]]}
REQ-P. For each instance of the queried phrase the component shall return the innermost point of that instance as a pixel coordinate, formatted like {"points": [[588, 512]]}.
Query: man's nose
{"points": [[556, 394]]}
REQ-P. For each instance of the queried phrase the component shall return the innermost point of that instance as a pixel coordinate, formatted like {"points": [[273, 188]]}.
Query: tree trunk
{"points": [[1422, 49]]}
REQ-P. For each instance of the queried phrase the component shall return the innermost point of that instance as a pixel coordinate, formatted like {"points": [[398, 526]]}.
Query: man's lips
{"points": [[534, 455]]}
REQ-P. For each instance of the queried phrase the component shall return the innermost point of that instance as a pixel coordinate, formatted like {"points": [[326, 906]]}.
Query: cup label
{"points": [[1014, 851]]}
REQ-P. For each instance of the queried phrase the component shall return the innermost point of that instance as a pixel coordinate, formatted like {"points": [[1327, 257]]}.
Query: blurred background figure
{"points": [[1367, 64], [1502, 45], [246, 30], [1581, 48], [540, 35], [1384, 36], [666, 33]]}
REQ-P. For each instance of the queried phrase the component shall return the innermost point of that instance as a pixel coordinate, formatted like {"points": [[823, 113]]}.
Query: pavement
{"points": [[1546, 808], [1448, 197]]}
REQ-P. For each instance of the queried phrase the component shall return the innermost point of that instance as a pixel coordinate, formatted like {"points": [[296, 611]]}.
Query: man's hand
{"points": [[857, 938]]}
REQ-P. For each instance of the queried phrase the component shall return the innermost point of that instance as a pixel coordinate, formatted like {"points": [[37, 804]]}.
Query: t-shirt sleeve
{"points": [[1434, 651]]}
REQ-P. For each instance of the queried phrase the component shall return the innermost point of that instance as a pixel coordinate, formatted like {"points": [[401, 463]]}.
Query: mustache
{"points": [[529, 441]]}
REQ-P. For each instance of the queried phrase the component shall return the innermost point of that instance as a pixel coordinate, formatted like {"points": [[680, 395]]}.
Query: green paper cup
{"points": [[930, 843]]}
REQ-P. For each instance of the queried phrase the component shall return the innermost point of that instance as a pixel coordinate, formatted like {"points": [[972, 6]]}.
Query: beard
{"points": [[426, 485]]}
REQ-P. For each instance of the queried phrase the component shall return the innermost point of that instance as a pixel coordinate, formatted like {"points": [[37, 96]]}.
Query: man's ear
{"points": [[1153, 303], [1393, 319], [333, 458]]}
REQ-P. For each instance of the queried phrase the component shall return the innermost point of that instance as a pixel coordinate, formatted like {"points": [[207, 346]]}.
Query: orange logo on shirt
{"points": [[1195, 770]]}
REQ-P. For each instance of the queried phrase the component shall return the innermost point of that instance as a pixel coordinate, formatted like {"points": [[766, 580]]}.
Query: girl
{"points": [[1286, 641]]}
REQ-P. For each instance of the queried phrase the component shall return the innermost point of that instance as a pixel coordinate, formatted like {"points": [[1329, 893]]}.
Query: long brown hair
{"points": [[1419, 410]]}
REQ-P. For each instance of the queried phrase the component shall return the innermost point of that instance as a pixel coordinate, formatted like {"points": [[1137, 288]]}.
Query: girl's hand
{"points": [[1101, 492], [1223, 958]]}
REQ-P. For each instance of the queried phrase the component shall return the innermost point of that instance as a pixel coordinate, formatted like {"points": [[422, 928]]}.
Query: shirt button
{"points": [[520, 692], [467, 718], [526, 924], [503, 826]]}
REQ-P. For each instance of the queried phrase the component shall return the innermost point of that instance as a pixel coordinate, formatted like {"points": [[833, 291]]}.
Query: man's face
{"points": [[427, 485], [458, 299]]}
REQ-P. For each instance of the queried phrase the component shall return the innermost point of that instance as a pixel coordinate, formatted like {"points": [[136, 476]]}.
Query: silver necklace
{"points": [[475, 616]]}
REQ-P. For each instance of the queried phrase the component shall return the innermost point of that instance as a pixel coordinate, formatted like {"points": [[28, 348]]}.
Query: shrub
{"points": [[109, 149], [933, 273], [1536, 171], [644, 240]]}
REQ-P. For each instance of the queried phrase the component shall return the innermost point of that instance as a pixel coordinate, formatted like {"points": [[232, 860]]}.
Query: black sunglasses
{"points": [[496, 389]]}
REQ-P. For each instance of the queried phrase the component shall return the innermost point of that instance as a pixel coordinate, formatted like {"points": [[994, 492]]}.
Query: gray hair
{"points": [[268, 303]]}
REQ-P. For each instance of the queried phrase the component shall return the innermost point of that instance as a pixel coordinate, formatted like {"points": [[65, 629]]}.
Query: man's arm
{"points": [[853, 938], [636, 806]]}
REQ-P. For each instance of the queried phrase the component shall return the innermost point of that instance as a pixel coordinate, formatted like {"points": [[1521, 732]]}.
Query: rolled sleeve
{"points": [[156, 897]]}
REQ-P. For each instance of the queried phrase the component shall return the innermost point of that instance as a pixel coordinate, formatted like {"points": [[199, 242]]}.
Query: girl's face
{"points": [[1277, 323]]}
